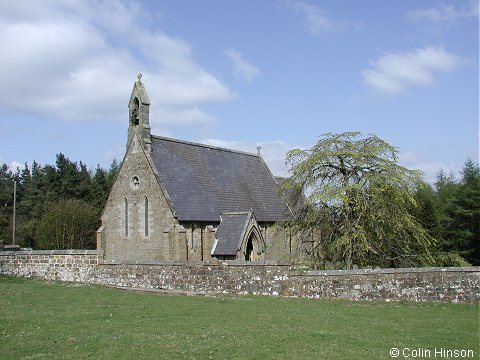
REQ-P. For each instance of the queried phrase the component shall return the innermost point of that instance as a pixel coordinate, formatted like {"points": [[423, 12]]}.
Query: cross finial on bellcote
{"points": [[139, 78]]}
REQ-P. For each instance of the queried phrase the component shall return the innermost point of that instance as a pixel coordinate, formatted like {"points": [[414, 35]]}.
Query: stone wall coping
{"points": [[293, 270], [298, 271], [51, 252], [466, 269], [199, 263]]}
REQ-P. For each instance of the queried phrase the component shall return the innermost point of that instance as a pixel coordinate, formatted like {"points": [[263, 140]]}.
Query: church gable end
{"points": [[136, 213]]}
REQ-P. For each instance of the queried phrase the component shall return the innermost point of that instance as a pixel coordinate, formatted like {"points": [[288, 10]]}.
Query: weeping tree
{"points": [[354, 198]]}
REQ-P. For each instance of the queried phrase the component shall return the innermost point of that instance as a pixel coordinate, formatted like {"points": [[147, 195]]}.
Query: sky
{"points": [[240, 74]]}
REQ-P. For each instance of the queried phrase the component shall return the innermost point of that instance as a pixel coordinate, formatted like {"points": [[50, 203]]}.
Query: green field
{"points": [[52, 320]]}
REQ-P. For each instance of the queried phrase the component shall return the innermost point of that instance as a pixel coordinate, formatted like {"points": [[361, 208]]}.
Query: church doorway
{"points": [[251, 248]]}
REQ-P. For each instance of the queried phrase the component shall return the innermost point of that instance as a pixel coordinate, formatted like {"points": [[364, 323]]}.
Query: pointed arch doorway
{"points": [[252, 248]]}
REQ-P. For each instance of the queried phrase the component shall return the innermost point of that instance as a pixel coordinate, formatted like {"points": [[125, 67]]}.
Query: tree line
{"points": [[57, 206], [450, 212]]}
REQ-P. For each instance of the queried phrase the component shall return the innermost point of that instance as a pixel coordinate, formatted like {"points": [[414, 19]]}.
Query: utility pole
{"points": [[14, 209]]}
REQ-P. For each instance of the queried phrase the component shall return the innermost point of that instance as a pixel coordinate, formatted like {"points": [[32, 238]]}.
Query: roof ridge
{"points": [[235, 212], [202, 145]]}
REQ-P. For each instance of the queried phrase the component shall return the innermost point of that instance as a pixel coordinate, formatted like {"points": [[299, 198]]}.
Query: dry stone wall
{"points": [[87, 266], [64, 265]]}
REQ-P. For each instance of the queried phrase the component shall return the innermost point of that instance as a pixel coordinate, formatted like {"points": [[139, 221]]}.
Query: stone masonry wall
{"points": [[64, 265], [136, 245], [87, 266]]}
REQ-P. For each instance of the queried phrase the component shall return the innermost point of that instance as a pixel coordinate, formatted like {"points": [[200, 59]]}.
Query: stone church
{"points": [[176, 200]]}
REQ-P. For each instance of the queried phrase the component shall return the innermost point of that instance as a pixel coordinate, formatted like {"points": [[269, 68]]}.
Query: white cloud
{"points": [[273, 153], [241, 68], [78, 61], [317, 20], [14, 166], [429, 168], [444, 13], [393, 73]]}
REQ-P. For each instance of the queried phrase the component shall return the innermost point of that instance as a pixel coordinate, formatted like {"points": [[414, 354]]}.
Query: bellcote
{"points": [[138, 110]]}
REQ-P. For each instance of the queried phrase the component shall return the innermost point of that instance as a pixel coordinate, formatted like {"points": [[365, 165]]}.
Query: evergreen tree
{"points": [[68, 178], [100, 188], [25, 217], [50, 183], [6, 202], [459, 208], [84, 183], [466, 214], [426, 210], [112, 173], [446, 189]]}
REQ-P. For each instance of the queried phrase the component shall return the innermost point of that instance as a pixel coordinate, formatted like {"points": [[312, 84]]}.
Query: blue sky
{"points": [[274, 73]]}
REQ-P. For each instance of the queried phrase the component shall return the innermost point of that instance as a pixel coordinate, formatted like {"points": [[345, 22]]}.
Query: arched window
{"points": [[134, 114], [125, 217], [146, 215]]}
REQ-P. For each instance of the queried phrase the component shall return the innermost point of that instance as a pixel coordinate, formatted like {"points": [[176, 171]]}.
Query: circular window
{"points": [[135, 183]]}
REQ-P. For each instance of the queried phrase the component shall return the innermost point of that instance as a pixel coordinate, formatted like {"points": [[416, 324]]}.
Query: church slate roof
{"points": [[203, 181], [229, 232]]}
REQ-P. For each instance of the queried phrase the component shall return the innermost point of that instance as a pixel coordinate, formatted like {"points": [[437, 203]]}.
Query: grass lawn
{"points": [[52, 320]]}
